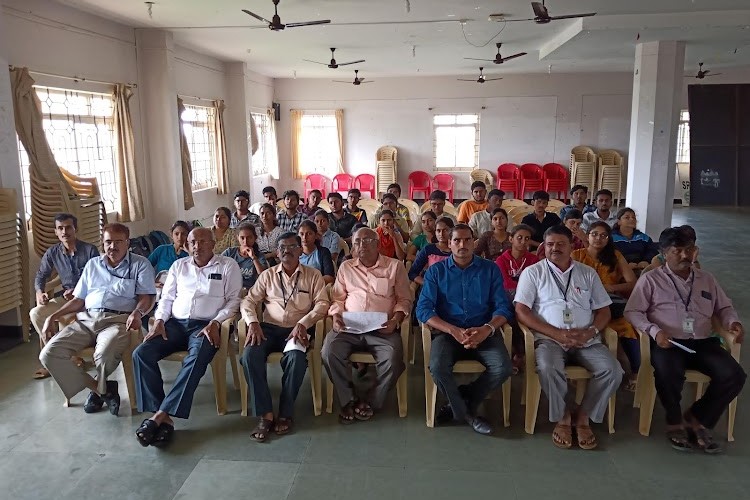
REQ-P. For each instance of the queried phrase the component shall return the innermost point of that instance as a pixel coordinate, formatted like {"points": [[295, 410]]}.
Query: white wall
{"points": [[524, 118]]}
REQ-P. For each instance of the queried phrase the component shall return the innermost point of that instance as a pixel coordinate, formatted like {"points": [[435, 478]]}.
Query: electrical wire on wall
{"points": [[463, 30]]}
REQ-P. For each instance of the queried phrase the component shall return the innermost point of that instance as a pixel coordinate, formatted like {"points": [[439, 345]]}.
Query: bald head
{"points": [[203, 233], [364, 232], [201, 243]]}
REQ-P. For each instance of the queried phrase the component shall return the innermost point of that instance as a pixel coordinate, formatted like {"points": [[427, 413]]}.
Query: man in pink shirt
{"points": [[674, 304], [370, 282]]}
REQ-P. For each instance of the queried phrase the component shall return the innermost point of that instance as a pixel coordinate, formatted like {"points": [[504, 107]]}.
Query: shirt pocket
{"points": [[216, 287], [381, 286], [124, 287]]}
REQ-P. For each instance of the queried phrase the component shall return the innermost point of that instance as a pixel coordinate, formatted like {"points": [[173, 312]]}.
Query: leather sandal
{"points": [[146, 432], [262, 430], [562, 436], [163, 435], [283, 426]]}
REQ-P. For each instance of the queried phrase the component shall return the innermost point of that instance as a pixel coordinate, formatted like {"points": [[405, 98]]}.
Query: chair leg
{"points": [[235, 369], [127, 368], [700, 388], [412, 347], [533, 393], [523, 392], [316, 389], [219, 372], [66, 403], [648, 398], [430, 397], [730, 419], [611, 413], [506, 403], [329, 395], [243, 396], [401, 393], [638, 390]]}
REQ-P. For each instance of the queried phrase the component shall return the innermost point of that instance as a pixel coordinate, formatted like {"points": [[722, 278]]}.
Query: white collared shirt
{"points": [[211, 292]]}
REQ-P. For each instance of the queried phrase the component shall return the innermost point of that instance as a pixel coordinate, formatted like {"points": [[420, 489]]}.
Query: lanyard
{"points": [[686, 303], [515, 273], [283, 288], [127, 276], [564, 291]]}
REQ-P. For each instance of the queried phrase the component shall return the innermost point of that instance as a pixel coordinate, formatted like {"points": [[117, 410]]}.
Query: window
{"points": [[261, 159], [80, 132], [200, 132], [456, 141], [683, 138], [319, 144]]}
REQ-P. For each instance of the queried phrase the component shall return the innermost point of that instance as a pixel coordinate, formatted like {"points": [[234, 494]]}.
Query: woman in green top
{"points": [[420, 241]]}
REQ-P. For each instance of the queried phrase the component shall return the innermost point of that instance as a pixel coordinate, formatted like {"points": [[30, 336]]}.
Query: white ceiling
{"points": [[716, 31]]}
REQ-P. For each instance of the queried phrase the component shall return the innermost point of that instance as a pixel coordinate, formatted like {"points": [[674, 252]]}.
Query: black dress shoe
{"points": [[93, 403], [480, 425], [444, 415], [112, 398]]}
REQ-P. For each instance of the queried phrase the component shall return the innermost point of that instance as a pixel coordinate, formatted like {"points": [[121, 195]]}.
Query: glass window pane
{"points": [[444, 119]]}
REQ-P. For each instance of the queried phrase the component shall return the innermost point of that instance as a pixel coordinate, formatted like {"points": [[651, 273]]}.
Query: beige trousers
{"points": [[39, 315], [105, 332]]}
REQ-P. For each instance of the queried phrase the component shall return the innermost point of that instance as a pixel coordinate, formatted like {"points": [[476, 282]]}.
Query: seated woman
{"points": [[247, 255], [391, 240], [223, 234], [434, 252], [269, 232], [329, 239], [572, 220], [492, 244], [517, 258], [618, 279], [637, 247], [427, 236], [164, 256], [314, 255]]}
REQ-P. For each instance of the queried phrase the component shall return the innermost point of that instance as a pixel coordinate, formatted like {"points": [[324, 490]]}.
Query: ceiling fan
{"points": [[357, 79], [541, 15], [704, 73], [333, 64], [275, 24], [481, 78], [498, 58]]}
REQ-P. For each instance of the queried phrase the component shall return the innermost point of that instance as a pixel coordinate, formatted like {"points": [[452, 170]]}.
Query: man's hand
{"points": [[475, 336], [299, 334], [738, 331], [157, 330], [579, 336], [68, 294], [211, 332], [338, 323], [42, 298], [49, 329], [254, 334], [662, 340], [459, 334], [134, 321], [389, 326]]}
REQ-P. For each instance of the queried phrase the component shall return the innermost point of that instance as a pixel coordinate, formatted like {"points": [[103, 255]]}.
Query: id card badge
{"points": [[567, 316], [688, 326]]}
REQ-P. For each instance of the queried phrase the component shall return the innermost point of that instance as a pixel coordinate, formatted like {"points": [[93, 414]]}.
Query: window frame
{"points": [[263, 131], [327, 170], [435, 126], [682, 147], [208, 146]]}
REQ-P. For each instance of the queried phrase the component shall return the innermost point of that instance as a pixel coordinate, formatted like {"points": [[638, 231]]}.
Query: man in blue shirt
{"points": [[464, 303], [67, 259], [113, 294], [578, 195]]}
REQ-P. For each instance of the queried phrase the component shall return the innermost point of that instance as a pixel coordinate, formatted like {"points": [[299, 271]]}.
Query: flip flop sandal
{"points": [[346, 415], [708, 446], [564, 435], [287, 423], [146, 432], [631, 385], [41, 374], [262, 430], [163, 435], [586, 437], [363, 413], [680, 440]]}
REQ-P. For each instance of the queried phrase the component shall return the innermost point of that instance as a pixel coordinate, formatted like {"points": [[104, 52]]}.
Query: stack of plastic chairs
{"points": [[611, 173], [583, 168]]}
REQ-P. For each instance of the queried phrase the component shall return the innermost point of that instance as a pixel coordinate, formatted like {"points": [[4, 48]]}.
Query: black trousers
{"points": [[727, 378]]}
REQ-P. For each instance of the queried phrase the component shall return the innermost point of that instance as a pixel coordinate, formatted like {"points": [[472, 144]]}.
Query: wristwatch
{"points": [[596, 330]]}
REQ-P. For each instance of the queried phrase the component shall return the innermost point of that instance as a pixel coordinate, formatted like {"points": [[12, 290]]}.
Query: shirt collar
{"points": [[452, 262], [214, 261], [281, 273], [559, 271], [669, 272], [378, 263]]}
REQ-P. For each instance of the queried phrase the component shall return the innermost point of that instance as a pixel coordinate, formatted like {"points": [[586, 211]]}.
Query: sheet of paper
{"points": [[363, 322], [292, 345], [680, 346]]}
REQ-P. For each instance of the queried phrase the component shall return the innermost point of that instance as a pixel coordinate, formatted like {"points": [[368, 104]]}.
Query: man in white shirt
{"points": [[566, 306], [603, 212], [481, 222], [188, 318]]}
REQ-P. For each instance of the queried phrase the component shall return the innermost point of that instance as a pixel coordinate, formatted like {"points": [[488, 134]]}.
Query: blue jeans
{"points": [[491, 353], [149, 386], [293, 366]]}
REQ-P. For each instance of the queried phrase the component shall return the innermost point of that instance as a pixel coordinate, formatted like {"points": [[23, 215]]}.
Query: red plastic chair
{"points": [[508, 178], [532, 178], [445, 183], [316, 181], [556, 180], [342, 183], [366, 184], [420, 182]]}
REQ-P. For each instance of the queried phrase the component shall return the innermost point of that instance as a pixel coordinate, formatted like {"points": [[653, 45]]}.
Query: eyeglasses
{"points": [[285, 248], [364, 241], [602, 236]]}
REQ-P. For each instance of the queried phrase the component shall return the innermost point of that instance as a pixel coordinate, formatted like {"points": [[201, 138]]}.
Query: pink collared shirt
{"points": [[658, 303], [383, 287]]}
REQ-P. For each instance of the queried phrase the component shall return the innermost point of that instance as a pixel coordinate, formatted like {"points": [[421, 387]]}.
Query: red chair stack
{"points": [[446, 183], [532, 178], [556, 180], [366, 184], [342, 183], [316, 181], [420, 182], [507, 178]]}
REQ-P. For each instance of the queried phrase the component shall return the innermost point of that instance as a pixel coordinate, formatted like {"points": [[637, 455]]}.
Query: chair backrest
{"points": [[370, 206], [554, 171], [420, 178], [387, 153], [610, 157], [445, 182], [316, 181], [508, 171], [364, 182], [342, 182], [582, 153], [413, 208], [480, 174], [531, 171]]}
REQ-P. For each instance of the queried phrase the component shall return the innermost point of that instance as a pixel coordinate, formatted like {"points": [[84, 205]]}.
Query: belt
{"points": [[106, 310]]}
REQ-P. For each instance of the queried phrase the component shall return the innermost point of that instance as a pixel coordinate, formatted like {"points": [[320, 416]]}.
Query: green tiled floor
{"points": [[48, 451]]}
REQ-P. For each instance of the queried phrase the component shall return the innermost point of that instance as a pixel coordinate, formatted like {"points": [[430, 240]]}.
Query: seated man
{"points": [[390, 202], [269, 194], [603, 212], [115, 291], [674, 304], [540, 220], [566, 306], [463, 303], [242, 213], [312, 204], [353, 197], [290, 217], [201, 292], [470, 207], [339, 220], [578, 195], [67, 259], [294, 299], [369, 282], [437, 205], [481, 221]]}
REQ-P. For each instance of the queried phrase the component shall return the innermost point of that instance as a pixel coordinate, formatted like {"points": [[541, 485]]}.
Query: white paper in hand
{"points": [[292, 345], [363, 322]]}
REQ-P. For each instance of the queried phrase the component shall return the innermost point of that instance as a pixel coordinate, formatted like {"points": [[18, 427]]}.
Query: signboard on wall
{"points": [[682, 183]]}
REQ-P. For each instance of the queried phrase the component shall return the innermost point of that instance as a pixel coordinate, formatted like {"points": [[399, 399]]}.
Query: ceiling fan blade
{"points": [[572, 16], [475, 59], [492, 79], [308, 23], [256, 16], [316, 62], [539, 9], [714, 74], [517, 20], [352, 62], [368, 81], [465, 80], [342, 81], [514, 56]]}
